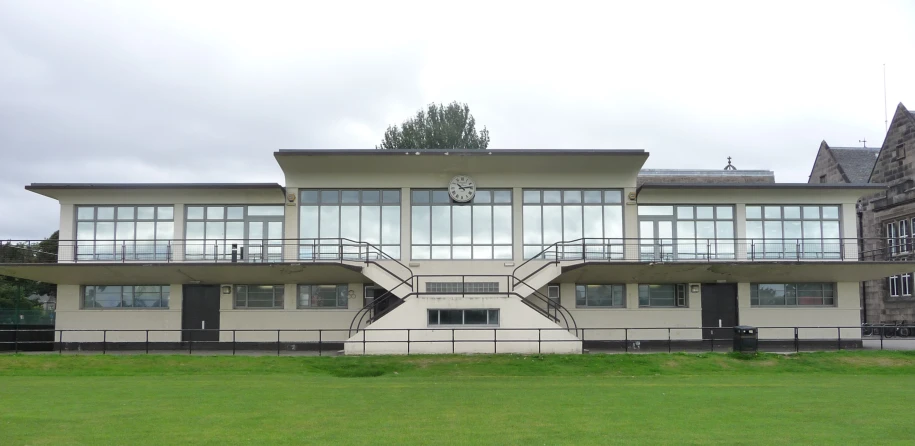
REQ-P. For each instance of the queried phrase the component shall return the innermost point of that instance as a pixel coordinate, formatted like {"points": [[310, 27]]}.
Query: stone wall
{"points": [[896, 168], [825, 164]]}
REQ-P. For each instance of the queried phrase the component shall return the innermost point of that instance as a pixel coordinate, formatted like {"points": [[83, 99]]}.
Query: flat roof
{"points": [[828, 186], [51, 186], [460, 152], [705, 172]]}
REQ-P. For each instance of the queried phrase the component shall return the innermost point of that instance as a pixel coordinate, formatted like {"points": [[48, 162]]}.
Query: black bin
{"points": [[746, 339]]}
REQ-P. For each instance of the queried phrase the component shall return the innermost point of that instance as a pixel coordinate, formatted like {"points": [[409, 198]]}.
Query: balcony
{"points": [[338, 249], [344, 261]]}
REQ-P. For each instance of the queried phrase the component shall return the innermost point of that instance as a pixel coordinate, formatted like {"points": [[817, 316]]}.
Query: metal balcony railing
{"points": [[341, 249]]}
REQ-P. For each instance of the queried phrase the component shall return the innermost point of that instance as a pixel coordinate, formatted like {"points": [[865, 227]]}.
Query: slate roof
{"points": [[856, 162]]}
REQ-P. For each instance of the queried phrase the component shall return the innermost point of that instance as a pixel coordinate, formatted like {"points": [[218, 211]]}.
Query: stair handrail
{"points": [[555, 259], [563, 311], [385, 255], [360, 315], [356, 327]]}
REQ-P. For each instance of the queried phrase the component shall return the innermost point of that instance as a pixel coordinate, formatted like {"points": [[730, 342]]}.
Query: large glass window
{"points": [[258, 296], [600, 296], [124, 232], [590, 220], [254, 232], [129, 296], [335, 220], [481, 229], [800, 232], [686, 232], [792, 294], [667, 295], [464, 317], [323, 296]]}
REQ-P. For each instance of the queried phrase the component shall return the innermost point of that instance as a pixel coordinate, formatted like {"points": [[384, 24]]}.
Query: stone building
{"points": [[886, 218]]}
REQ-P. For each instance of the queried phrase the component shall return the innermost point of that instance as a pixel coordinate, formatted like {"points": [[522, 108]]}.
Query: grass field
{"points": [[818, 398]]}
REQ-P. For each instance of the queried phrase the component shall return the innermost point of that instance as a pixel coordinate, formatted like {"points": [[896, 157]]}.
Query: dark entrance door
{"points": [[200, 310], [719, 309]]}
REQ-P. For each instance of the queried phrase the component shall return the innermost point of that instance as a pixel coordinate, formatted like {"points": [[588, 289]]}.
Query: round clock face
{"points": [[462, 188]]}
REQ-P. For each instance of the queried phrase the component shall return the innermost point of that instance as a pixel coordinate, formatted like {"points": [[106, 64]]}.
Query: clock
{"points": [[462, 188]]}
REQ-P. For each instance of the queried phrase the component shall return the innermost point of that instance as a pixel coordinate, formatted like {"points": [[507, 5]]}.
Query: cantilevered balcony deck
{"points": [[597, 260]]}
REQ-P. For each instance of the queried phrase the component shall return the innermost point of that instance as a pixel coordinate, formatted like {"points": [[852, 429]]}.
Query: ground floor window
{"points": [[129, 296], [464, 317], [664, 295], [259, 296], [600, 296], [323, 296], [792, 294]]}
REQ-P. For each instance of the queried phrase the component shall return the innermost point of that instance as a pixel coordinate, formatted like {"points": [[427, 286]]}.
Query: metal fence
{"points": [[444, 340], [26, 317]]}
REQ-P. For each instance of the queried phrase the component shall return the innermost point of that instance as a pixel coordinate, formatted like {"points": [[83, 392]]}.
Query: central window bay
{"points": [[445, 230]]}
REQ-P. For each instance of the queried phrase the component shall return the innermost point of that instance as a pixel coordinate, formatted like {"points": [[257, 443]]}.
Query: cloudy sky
{"points": [[111, 91]]}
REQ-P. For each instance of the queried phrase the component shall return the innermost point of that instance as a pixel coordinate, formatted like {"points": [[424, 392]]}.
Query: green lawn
{"points": [[819, 398]]}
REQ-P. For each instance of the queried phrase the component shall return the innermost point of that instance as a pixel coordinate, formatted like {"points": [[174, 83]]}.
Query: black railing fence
{"points": [[446, 340], [341, 249]]}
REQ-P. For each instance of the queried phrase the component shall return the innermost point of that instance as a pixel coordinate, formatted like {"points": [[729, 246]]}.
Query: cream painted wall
{"points": [[116, 321], [337, 321], [846, 313], [516, 333], [67, 225], [633, 317]]}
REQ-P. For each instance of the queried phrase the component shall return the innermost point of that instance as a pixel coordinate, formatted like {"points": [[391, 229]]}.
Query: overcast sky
{"points": [[206, 91]]}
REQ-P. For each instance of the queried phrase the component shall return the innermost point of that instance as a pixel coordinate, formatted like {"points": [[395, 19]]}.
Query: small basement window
{"points": [[482, 317]]}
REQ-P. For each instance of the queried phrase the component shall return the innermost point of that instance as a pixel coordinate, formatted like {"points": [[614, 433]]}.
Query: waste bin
{"points": [[746, 339]]}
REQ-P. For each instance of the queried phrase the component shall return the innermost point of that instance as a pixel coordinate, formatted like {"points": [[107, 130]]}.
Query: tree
{"points": [[13, 291], [439, 127]]}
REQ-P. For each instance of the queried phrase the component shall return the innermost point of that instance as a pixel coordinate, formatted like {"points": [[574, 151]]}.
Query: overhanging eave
{"points": [[184, 273], [684, 272]]}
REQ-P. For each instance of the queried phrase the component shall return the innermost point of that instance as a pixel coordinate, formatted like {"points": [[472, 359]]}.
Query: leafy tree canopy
{"points": [[438, 127]]}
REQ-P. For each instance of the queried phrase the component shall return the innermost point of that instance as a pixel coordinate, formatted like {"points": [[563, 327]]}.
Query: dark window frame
{"points": [[164, 296], [681, 295], [281, 289], [792, 295], [584, 288], [490, 320], [341, 291]]}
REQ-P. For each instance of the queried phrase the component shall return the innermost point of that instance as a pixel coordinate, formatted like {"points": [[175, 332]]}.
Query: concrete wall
{"points": [[337, 321], [71, 317], [516, 333], [846, 313], [633, 317], [92, 321]]}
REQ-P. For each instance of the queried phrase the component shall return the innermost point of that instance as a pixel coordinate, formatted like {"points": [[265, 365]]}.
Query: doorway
{"points": [[200, 311], [388, 300], [265, 239], [656, 240], [719, 309]]}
